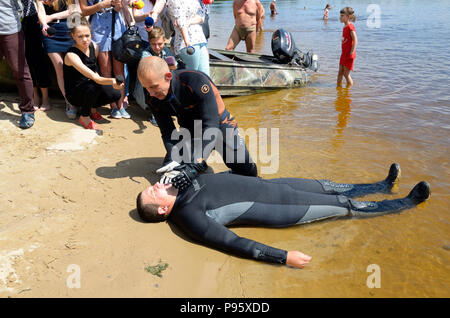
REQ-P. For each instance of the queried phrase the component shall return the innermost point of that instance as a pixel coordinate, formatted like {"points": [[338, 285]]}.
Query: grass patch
{"points": [[157, 269]]}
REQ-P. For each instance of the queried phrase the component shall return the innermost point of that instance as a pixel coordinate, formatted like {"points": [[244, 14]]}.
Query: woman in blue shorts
{"points": [[53, 14]]}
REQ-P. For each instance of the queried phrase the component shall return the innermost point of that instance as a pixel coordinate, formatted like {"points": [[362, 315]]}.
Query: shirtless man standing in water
{"points": [[273, 8], [247, 15]]}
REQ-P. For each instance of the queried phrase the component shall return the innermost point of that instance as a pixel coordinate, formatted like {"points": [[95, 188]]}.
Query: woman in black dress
{"points": [[36, 55]]}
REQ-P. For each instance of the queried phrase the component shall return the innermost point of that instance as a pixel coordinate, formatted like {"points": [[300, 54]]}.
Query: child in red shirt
{"points": [[349, 42]]}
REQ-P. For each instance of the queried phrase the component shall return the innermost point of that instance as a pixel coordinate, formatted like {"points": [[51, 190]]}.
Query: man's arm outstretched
{"points": [[210, 233]]}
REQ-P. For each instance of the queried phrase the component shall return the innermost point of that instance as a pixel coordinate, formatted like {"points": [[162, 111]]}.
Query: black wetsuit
{"points": [[217, 200], [213, 201], [194, 97]]}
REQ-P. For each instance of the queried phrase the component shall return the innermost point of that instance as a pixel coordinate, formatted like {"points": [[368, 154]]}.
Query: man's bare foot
{"points": [[36, 96]]}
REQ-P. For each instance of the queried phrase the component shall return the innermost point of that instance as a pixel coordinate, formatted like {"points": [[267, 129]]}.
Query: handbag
{"points": [[19, 7], [130, 46], [167, 25]]}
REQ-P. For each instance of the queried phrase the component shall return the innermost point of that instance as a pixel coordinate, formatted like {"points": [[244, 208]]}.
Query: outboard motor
{"points": [[285, 51]]}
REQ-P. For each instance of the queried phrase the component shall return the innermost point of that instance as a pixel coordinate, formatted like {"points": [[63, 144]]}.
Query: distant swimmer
{"points": [[204, 209], [273, 8], [326, 11], [247, 16]]}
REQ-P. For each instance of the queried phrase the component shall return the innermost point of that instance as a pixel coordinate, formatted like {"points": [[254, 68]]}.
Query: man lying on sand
{"points": [[202, 206]]}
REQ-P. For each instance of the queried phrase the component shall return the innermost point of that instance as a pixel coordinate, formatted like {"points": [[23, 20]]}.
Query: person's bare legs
{"points": [[347, 76], [233, 41], [250, 41], [57, 60], [36, 97], [340, 75], [45, 105], [45, 99]]}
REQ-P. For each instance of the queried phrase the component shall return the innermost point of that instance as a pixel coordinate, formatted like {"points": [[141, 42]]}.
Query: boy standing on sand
{"points": [[247, 15]]}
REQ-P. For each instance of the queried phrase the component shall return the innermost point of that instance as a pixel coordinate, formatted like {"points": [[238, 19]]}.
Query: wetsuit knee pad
{"points": [[333, 187]]}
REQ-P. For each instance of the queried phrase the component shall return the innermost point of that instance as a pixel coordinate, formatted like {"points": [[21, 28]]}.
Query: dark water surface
{"points": [[397, 111]]}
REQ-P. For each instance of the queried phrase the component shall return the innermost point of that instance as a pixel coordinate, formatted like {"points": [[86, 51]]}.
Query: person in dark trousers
{"points": [[203, 207], [12, 47], [37, 58], [193, 98]]}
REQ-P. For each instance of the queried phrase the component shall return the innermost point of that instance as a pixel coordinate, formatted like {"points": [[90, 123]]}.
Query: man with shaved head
{"points": [[155, 70], [193, 98]]}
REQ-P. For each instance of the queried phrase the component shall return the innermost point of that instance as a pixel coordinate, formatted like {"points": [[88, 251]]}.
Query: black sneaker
{"points": [[394, 174]]}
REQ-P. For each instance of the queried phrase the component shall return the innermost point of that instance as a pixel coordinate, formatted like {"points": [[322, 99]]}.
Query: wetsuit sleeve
{"points": [[209, 232], [166, 126], [207, 100]]}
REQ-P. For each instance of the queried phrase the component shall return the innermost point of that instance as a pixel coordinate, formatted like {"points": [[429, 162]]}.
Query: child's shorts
{"points": [[347, 60]]}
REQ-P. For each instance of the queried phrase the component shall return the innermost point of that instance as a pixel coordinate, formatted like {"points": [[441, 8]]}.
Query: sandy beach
{"points": [[68, 224], [67, 196]]}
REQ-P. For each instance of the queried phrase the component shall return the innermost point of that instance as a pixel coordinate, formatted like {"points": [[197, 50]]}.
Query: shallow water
{"points": [[397, 111]]}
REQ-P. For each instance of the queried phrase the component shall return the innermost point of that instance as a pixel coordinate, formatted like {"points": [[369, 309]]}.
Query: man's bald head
{"points": [[155, 76], [152, 65]]}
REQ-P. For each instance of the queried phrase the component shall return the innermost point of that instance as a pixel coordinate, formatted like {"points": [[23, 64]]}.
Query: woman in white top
{"points": [[187, 17]]}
